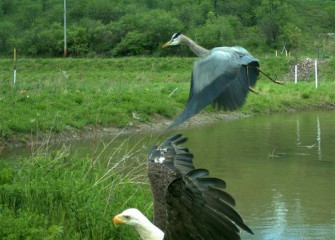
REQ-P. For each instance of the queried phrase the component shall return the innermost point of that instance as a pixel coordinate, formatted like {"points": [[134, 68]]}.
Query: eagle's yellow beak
{"points": [[118, 220]]}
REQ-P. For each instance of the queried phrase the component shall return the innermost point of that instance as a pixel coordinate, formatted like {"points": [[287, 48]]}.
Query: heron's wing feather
{"points": [[197, 209], [211, 68], [222, 78], [235, 94], [250, 62]]}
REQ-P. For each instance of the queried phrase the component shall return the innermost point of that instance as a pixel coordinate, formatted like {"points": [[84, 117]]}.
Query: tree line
{"points": [[130, 28]]}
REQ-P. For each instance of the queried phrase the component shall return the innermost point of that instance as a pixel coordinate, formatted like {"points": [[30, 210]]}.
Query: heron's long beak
{"points": [[117, 220], [166, 44]]}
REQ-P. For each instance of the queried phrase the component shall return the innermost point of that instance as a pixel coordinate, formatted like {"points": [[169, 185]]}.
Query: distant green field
{"points": [[62, 94]]}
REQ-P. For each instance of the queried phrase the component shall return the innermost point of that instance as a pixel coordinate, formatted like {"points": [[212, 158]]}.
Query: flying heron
{"points": [[187, 203], [222, 76]]}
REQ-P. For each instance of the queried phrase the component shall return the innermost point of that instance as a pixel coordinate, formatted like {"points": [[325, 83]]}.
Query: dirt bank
{"points": [[158, 124]]}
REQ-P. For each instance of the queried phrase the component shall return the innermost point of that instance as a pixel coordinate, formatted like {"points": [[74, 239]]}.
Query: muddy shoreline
{"points": [[158, 124]]}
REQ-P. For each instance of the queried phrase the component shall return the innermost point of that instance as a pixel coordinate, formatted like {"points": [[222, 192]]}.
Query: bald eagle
{"points": [[187, 203]]}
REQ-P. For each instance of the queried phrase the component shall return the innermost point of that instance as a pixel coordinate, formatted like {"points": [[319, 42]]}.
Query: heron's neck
{"points": [[196, 48]]}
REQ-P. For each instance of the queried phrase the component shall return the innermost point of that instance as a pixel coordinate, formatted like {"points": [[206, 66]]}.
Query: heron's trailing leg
{"points": [[249, 86], [275, 81], [252, 90]]}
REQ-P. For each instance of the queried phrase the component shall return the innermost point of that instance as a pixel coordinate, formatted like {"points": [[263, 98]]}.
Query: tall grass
{"points": [[57, 195]]}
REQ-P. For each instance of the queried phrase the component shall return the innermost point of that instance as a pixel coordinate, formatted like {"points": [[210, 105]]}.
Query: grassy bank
{"points": [[63, 94], [56, 195]]}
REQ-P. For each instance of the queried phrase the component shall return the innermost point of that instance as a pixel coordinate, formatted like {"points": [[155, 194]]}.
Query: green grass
{"points": [[63, 94], [56, 195], [290, 97], [72, 93]]}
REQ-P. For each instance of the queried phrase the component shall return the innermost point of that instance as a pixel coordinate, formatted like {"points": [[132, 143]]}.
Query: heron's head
{"points": [[175, 40]]}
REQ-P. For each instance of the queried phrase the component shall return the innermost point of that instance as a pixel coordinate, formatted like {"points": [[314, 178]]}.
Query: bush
{"points": [[143, 33], [42, 40], [218, 31]]}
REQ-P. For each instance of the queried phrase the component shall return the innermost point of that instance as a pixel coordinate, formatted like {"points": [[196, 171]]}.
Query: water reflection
{"points": [[279, 220], [298, 133], [280, 169], [318, 137]]}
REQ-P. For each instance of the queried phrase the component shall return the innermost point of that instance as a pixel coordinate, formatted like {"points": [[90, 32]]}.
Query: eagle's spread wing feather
{"points": [[198, 208], [167, 162]]}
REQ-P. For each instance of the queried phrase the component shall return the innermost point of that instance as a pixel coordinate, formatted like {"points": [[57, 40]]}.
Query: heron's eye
{"points": [[174, 36]]}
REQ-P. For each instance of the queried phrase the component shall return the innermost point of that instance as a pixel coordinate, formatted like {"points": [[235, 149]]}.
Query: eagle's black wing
{"points": [[166, 162], [198, 208]]}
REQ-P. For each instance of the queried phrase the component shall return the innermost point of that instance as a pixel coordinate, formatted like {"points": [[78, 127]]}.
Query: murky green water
{"points": [[279, 168]]}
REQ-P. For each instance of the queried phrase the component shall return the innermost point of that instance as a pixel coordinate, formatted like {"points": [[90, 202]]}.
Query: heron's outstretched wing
{"points": [[222, 78], [166, 162], [198, 208]]}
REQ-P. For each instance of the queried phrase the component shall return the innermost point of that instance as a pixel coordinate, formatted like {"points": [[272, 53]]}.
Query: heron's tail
{"points": [[185, 115]]}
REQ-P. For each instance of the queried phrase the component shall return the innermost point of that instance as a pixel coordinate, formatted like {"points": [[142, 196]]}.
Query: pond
{"points": [[279, 168]]}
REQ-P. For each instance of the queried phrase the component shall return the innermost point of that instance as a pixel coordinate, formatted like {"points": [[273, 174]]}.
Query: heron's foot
{"points": [[278, 82]]}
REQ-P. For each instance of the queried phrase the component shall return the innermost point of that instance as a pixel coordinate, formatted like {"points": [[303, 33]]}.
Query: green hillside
{"points": [[128, 28]]}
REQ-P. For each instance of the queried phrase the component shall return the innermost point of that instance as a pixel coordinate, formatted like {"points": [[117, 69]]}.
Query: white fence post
{"points": [[295, 74], [14, 74], [316, 73]]}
